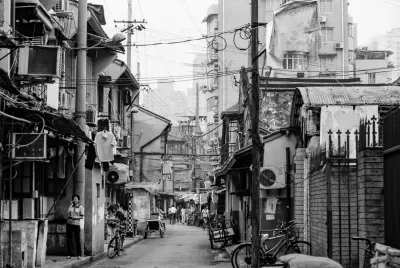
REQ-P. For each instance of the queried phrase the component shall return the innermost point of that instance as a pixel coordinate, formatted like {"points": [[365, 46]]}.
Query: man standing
{"points": [[205, 213], [172, 213]]}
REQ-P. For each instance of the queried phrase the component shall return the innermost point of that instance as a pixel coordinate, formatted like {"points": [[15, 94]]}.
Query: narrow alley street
{"points": [[182, 246]]}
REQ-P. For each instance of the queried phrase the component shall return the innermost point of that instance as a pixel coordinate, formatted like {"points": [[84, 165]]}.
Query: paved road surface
{"points": [[182, 246]]}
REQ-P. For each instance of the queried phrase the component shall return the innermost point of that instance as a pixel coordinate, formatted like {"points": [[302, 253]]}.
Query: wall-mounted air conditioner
{"points": [[119, 175], [322, 19], [91, 116], [39, 61], [339, 45], [61, 6], [272, 177]]}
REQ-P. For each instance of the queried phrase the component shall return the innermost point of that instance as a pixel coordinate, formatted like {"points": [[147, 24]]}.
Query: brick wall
{"points": [[318, 213], [370, 198]]}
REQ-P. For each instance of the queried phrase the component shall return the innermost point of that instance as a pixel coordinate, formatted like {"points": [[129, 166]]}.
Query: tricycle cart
{"points": [[154, 224], [222, 232]]}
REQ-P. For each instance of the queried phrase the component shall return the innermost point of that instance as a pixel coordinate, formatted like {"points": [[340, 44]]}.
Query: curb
{"points": [[98, 256]]}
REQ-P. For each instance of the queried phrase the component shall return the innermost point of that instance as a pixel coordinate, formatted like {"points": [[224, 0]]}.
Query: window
{"points": [[294, 61], [327, 35], [327, 63], [350, 28], [326, 6]]}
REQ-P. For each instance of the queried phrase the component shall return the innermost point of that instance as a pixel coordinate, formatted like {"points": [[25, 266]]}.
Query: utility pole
{"points": [[129, 39], [256, 143], [80, 99]]}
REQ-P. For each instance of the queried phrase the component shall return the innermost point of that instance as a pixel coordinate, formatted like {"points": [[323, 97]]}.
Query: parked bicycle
{"points": [[285, 242], [369, 250], [115, 247]]}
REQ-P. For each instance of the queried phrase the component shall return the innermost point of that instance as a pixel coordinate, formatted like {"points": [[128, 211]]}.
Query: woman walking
{"points": [[75, 220]]}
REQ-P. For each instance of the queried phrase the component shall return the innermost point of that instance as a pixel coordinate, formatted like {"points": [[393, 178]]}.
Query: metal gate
{"points": [[342, 197], [391, 146]]}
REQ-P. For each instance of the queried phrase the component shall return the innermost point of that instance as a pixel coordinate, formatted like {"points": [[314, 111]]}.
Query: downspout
{"points": [[46, 21], [343, 39], [166, 130]]}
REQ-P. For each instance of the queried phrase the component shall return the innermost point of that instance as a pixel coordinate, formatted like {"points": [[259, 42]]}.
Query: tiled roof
{"points": [[378, 95]]}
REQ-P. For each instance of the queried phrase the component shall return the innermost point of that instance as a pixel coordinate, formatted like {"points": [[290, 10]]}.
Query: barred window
{"points": [[294, 61], [326, 6], [326, 35]]}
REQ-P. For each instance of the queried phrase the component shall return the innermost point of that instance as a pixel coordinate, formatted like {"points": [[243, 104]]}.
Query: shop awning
{"points": [[33, 10], [56, 123]]}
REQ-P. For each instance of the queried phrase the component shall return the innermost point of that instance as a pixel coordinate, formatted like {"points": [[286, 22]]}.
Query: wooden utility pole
{"points": [[256, 143]]}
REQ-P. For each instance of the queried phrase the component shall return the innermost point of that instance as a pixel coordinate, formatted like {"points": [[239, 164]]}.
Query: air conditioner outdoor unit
{"points": [[339, 45], [119, 175], [322, 18], [39, 61], [91, 116], [272, 177], [61, 6]]}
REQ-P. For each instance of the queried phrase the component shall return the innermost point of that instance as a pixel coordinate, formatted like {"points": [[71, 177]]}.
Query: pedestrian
{"points": [[160, 213], [183, 215], [172, 213], [179, 214], [205, 213], [74, 225]]}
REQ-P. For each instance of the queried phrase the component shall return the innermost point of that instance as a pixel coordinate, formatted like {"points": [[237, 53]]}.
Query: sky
{"points": [[172, 20]]}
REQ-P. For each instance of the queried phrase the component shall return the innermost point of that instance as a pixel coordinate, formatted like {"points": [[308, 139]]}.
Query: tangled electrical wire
{"points": [[243, 32]]}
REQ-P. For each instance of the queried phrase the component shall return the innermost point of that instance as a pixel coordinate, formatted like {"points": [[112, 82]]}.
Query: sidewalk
{"points": [[62, 262]]}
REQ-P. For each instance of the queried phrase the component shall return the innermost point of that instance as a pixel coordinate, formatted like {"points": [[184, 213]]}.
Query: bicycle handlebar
{"points": [[360, 238]]}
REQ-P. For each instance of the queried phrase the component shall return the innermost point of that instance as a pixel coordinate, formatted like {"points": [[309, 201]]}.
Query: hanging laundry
{"points": [[91, 157], [105, 143], [117, 132]]}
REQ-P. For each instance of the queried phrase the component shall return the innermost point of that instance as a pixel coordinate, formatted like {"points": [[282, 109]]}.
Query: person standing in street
{"points": [[183, 215], [74, 223], [205, 214], [179, 214], [172, 213]]}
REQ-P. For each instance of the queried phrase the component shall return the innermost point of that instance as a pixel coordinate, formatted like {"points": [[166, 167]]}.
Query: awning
{"points": [[33, 10], [56, 123], [240, 158]]}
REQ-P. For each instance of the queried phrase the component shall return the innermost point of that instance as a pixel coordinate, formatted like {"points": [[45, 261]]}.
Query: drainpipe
{"points": [[343, 39], [42, 18], [167, 129]]}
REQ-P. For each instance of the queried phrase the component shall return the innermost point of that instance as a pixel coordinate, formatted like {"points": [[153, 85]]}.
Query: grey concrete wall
{"points": [[94, 212]]}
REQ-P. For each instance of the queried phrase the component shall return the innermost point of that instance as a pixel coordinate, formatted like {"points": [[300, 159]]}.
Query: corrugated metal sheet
{"points": [[379, 95]]}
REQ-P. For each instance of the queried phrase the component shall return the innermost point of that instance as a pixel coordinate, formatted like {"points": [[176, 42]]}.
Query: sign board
{"points": [[30, 146]]}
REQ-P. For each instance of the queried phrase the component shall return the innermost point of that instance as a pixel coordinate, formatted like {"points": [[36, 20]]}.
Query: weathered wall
{"points": [[94, 212], [370, 198], [298, 190]]}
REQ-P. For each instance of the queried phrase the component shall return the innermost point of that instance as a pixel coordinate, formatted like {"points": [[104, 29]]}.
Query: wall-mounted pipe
{"points": [[46, 21]]}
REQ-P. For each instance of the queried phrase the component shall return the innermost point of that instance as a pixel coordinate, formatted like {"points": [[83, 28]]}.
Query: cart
{"points": [[154, 224], [224, 232]]}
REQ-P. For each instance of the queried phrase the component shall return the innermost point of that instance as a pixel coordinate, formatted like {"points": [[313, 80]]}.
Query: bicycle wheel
{"points": [[302, 247], [112, 248], [121, 244], [242, 256]]}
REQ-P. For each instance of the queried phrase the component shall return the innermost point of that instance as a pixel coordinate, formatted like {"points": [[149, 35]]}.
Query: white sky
{"points": [[181, 19]]}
